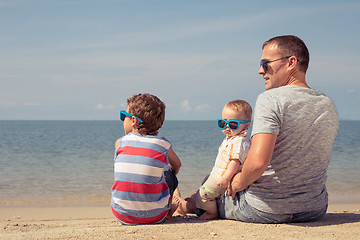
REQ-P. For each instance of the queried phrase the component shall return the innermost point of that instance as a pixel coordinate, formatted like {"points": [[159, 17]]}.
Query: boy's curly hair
{"points": [[150, 109]]}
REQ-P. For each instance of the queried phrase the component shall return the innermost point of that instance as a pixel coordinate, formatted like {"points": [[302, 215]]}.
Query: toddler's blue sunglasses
{"points": [[233, 124], [123, 115]]}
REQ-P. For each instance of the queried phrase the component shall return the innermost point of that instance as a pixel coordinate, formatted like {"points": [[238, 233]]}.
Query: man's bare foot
{"points": [[208, 216]]}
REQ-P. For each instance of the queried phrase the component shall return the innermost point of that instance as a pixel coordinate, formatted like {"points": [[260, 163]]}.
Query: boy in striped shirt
{"points": [[145, 165]]}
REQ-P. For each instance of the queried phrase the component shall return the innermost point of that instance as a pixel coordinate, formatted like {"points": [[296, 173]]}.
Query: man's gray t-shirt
{"points": [[306, 124]]}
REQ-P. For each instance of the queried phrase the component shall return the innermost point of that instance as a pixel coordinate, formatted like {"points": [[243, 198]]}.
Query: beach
{"points": [[58, 187], [342, 221]]}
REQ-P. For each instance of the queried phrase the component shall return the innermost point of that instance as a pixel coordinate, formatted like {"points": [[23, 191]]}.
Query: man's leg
{"points": [[238, 209]]}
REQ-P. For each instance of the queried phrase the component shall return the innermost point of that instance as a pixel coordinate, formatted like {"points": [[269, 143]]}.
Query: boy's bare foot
{"points": [[187, 205], [174, 205], [181, 209]]}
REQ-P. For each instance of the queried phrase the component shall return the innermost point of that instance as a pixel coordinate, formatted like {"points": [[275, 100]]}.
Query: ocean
{"points": [[70, 163]]}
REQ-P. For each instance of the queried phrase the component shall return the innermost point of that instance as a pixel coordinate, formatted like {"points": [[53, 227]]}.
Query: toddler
{"points": [[235, 121]]}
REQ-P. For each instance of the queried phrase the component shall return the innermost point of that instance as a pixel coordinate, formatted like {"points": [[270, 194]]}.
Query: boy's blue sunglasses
{"points": [[123, 115], [233, 124]]}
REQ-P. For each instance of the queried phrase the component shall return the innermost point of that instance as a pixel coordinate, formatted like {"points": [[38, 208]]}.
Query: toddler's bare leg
{"points": [[208, 215]]}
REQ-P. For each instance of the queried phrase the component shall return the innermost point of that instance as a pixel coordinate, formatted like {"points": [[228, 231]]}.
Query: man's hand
{"points": [[258, 159], [235, 186]]}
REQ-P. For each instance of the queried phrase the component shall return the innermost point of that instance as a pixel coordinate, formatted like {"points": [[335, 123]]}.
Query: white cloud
{"points": [[101, 106], [182, 58], [7, 103], [203, 108], [185, 106], [168, 33], [6, 3], [31, 104]]}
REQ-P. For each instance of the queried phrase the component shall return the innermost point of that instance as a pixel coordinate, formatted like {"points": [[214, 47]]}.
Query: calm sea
{"points": [[53, 163]]}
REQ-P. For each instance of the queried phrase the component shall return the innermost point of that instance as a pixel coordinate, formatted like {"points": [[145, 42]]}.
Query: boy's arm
{"points": [[229, 173], [174, 161], [117, 143]]}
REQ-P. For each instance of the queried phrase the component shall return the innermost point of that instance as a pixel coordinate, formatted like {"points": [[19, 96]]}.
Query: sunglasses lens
{"points": [[122, 116], [221, 124], [263, 64], [233, 125]]}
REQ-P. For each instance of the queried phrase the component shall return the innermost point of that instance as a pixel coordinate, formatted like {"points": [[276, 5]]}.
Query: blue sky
{"points": [[81, 60]]}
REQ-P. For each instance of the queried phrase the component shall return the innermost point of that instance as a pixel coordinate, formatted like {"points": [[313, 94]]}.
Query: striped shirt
{"points": [[140, 193], [236, 147]]}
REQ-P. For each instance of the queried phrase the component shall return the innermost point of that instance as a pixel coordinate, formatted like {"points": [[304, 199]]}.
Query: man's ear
{"points": [[293, 62]]}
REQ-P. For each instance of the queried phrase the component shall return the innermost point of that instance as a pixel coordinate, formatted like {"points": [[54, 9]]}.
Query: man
{"points": [[294, 127]]}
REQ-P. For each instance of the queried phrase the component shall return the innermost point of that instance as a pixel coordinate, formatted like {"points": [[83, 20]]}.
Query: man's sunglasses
{"points": [[123, 115], [233, 124], [264, 63]]}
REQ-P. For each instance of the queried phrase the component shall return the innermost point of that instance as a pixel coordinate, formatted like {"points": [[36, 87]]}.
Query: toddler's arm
{"points": [[174, 161], [229, 173]]}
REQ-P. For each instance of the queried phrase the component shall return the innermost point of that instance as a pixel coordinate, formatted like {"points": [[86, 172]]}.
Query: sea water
{"points": [[57, 163]]}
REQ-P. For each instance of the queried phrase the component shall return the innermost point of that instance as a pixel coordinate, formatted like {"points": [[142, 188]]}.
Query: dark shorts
{"points": [[171, 179]]}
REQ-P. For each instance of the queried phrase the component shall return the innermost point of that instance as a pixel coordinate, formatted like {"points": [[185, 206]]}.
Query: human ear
{"points": [[293, 62], [134, 121]]}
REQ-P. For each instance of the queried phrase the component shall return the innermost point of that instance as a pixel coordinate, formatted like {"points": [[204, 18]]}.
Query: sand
{"points": [[341, 222]]}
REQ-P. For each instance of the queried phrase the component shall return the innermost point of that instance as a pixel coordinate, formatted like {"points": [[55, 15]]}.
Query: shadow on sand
{"points": [[332, 219], [328, 220]]}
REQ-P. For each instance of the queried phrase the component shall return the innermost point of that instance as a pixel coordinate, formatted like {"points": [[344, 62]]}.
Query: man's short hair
{"points": [[290, 45]]}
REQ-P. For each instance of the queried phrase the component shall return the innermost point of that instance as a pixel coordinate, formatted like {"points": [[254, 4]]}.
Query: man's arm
{"points": [[258, 159]]}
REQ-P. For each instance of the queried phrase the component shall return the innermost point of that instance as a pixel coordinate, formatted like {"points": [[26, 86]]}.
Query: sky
{"points": [[81, 60]]}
